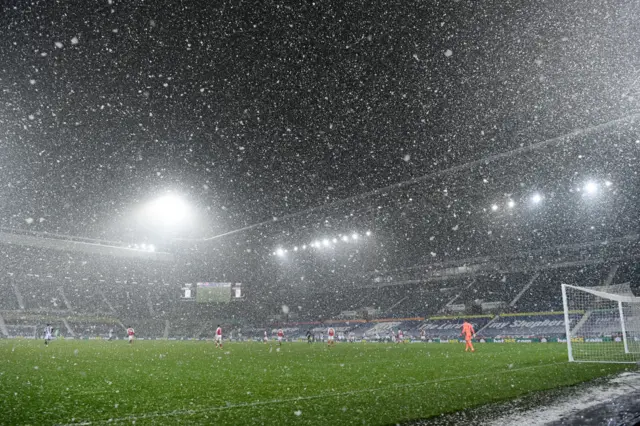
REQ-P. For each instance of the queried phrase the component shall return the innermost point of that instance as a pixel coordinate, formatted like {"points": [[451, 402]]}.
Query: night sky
{"points": [[257, 109]]}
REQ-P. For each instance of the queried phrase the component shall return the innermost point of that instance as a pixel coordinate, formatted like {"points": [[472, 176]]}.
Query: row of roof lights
{"points": [[143, 247], [590, 188], [325, 242]]}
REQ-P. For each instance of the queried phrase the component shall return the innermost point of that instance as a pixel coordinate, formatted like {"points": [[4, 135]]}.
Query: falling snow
{"points": [[261, 166]]}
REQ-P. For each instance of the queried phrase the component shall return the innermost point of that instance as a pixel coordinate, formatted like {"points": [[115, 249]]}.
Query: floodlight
{"points": [[325, 242], [511, 204], [169, 209], [335, 240], [354, 236], [591, 188], [280, 252], [151, 247], [536, 198], [304, 247], [345, 238], [295, 248], [316, 244], [143, 246], [368, 233], [608, 183], [494, 207]]}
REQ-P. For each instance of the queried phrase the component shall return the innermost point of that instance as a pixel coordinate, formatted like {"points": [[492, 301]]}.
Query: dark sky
{"points": [[256, 109]]}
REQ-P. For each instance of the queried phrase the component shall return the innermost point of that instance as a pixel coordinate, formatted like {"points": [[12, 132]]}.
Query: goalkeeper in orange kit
{"points": [[468, 333]]}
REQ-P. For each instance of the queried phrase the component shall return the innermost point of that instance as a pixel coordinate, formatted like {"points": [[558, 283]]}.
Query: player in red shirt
{"points": [[219, 337], [468, 333], [400, 336], [280, 336], [130, 333], [331, 332]]}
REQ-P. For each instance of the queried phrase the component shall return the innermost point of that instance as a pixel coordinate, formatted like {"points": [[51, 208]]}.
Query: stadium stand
{"points": [[544, 294], [84, 296], [87, 295], [40, 293], [412, 300], [500, 288], [8, 300], [627, 272]]}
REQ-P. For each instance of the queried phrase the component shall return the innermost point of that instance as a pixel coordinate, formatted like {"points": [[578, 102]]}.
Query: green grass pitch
{"points": [[172, 382]]}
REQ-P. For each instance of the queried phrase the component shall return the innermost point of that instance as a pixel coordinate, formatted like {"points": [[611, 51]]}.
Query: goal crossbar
{"points": [[605, 295]]}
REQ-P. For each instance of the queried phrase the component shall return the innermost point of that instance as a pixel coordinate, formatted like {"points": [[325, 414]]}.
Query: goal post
{"points": [[602, 324]]}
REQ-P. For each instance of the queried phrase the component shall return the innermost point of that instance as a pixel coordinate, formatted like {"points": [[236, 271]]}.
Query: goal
{"points": [[602, 323]]}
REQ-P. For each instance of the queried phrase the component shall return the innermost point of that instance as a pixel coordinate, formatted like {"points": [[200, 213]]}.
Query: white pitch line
{"points": [[298, 398]]}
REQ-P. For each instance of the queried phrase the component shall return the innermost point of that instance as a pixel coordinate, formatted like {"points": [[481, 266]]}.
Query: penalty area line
{"points": [[296, 399]]}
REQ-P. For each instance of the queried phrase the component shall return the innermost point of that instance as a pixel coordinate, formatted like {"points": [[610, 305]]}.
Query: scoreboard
{"points": [[214, 292]]}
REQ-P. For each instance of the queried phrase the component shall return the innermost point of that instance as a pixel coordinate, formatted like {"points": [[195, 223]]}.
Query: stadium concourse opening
{"points": [[319, 213]]}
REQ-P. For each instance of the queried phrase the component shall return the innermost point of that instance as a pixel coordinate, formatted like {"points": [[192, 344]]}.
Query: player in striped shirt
{"points": [[48, 331]]}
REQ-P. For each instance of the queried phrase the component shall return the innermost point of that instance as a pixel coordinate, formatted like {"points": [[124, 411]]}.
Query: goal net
{"points": [[608, 329]]}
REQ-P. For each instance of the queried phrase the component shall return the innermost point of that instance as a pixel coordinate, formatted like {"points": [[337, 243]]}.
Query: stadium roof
{"points": [[260, 111]]}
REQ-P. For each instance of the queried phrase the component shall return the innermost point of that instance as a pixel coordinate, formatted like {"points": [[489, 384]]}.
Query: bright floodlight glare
{"points": [[304, 247], [345, 238], [316, 244], [280, 252], [169, 209], [494, 207], [335, 240], [511, 204], [591, 188], [325, 242], [295, 248], [608, 183], [368, 233], [536, 198], [354, 236], [151, 247]]}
